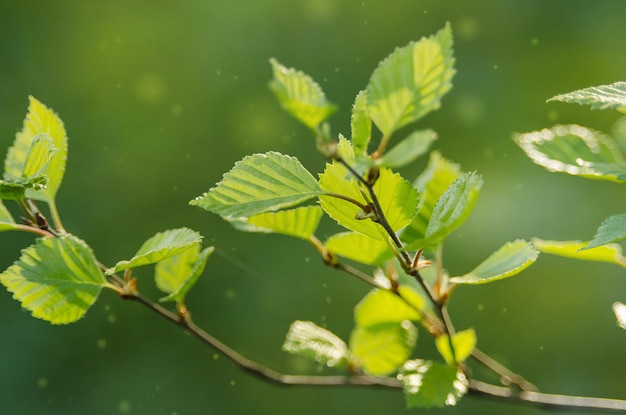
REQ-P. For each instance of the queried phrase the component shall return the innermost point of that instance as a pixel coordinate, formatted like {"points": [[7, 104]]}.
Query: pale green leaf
{"points": [[575, 150], [359, 248], [381, 349], [430, 384], [361, 124], [612, 229], [159, 247], [39, 120], [509, 260], [620, 314], [382, 306], [601, 97], [463, 343], [398, 199], [300, 95], [260, 183], [177, 274], [57, 279], [611, 253], [411, 81], [431, 184], [300, 222], [453, 207], [38, 156], [309, 340], [409, 149]]}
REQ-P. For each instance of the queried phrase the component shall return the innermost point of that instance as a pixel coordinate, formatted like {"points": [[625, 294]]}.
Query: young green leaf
{"points": [[39, 120], [612, 229], [620, 314], [575, 150], [409, 149], [430, 384], [398, 199], [300, 95], [260, 183], [411, 81], [57, 279], [300, 222], [177, 274], [359, 248], [453, 207], [361, 124], [159, 247], [380, 306], [510, 259], [309, 340], [431, 184], [463, 342], [382, 348], [611, 253], [601, 97], [38, 156]]}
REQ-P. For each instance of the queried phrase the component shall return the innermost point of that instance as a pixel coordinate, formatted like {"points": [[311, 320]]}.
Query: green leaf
{"points": [[361, 124], [159, 247], [382, 348], [260, 183], [177, 274], [381, 306], [431, 184], [409, 149], [620, 314], [411, 81], [39, 120], [510, 259], [309, 340], [397, 198], [611, 253], [300, 95], [430, 384], [453, 207], [575, 150], [601, 97], [5, 215], [359, 248], [300, 222], [612, 229], [38, 157], [463, 342], [57, 279]]}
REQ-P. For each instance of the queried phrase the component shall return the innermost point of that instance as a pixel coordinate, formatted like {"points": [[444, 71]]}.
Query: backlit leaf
{"points": [[601, 97], [359, 248], [463, 342], [453, 207], [381, 306], [430, 384], [300, 222], [611, 230], [411, 81], [409, 149], [57, 279], [260, 183], [159, 247], [360, 124], [39, 120], [431, 184], [381, 349], [300, 95], [38, 156], [509, 260], [309, 340], [611, 253], [620, 314], [575, 150], [177, 274]]}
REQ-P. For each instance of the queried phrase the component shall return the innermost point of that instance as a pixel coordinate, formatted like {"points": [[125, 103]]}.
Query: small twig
{"points": [[507, 376]]}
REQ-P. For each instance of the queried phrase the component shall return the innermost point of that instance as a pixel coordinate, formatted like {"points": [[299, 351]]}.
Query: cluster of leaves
{"points": [[584, 152], [396, 226]]}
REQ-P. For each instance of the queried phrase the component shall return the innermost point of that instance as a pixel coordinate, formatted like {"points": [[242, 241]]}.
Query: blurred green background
{"points": [[160, 98]]}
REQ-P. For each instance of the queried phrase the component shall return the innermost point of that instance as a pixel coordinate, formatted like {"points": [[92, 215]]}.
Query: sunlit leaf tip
{"points": [[307, 339], [600, 97], [57, 279]]}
